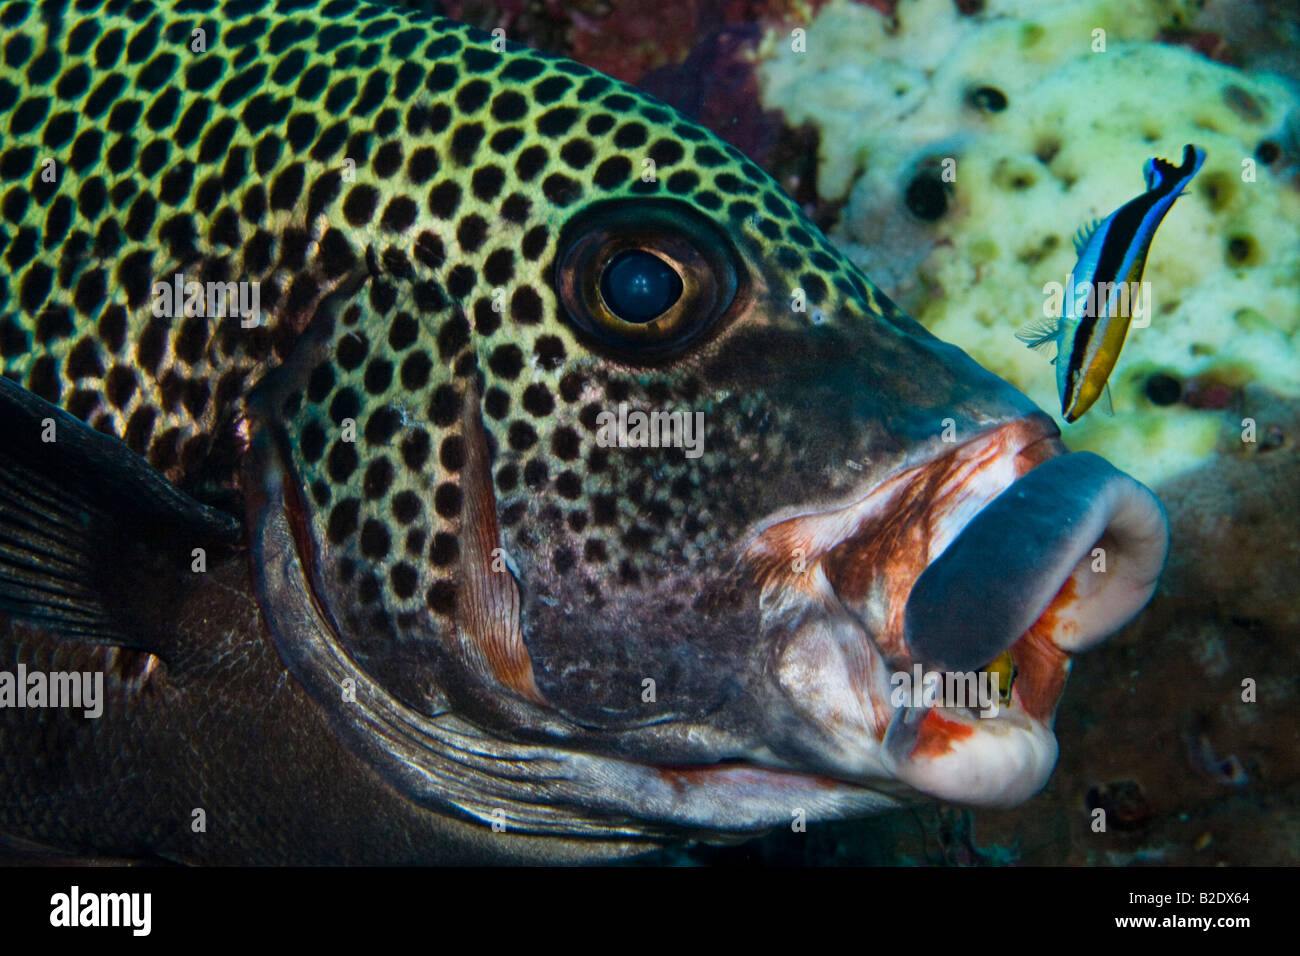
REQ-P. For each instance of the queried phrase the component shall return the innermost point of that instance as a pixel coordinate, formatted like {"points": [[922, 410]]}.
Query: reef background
{"points": [[1153, 727]]}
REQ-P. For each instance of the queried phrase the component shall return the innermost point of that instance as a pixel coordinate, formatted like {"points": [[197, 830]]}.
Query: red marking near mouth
{"points": [[938, 735], [488, 621], [883, 539], [1041, 666]]}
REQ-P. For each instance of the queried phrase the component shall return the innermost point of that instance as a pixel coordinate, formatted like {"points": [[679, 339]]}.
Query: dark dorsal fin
{"points": [[86, 526]]}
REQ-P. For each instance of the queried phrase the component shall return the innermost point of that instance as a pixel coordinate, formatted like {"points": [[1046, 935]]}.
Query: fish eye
{"points": [[638, 286], [645, 281]]}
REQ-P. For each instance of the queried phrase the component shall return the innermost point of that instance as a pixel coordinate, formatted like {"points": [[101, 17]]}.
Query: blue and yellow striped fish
{"points": [[1097, 310]]}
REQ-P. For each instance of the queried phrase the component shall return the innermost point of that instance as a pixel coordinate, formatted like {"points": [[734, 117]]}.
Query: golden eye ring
{"points": [[667, 256]]}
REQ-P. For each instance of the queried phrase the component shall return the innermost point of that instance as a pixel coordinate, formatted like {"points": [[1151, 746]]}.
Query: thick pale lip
{"points": [[1059, 560], [1074, 519], [948, 563]]}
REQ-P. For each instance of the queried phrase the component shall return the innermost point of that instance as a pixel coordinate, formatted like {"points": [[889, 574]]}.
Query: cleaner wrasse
{"points": [[1105, 284]]}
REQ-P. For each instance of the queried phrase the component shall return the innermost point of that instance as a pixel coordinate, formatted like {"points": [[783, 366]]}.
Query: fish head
{"points": [[614, 499]]}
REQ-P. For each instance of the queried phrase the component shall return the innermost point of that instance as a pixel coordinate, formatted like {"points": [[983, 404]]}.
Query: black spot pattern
{"points": [[318, 147]]}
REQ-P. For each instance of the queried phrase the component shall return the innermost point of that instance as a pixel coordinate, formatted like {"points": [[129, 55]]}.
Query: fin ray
{"points": [[1084, 234], [1040, 333], [72, 509]]}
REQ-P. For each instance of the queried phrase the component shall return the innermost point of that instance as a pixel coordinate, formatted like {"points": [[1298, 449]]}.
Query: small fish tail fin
{"points": [[1157, 171], [1154, 171]]}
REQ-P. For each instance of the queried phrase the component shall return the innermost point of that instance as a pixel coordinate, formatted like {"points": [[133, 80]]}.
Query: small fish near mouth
{"points": [[1105, 286]]}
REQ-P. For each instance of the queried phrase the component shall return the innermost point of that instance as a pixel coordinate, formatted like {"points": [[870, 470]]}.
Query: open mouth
{"points": [[1074, 521], [984, 552], [1008, 548]]}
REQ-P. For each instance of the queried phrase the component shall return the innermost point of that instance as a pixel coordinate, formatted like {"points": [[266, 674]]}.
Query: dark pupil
{"points": [[639, 286]]}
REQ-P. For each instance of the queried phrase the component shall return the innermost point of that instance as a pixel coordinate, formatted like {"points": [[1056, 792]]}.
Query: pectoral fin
{"points": [[86, 525], [1040, 334]]}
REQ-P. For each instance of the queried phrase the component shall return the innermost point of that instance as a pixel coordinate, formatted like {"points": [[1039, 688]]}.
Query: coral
{"points": [[968, 149]]}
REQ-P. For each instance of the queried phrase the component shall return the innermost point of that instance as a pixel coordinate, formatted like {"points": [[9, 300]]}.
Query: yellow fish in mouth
{"points": [[310, 345]]}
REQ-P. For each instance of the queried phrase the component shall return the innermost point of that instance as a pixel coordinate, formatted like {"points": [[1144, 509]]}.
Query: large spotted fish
{"points": [[377, 560]]}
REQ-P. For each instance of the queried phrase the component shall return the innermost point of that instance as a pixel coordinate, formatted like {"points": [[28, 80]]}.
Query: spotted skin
{"points": [[419, 413], [233, 164], [683, 647], [353, 143]]}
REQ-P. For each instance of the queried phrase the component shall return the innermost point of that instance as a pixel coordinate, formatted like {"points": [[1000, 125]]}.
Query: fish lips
{"points": [[1036, 539]]}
